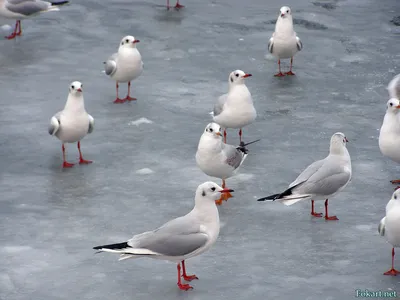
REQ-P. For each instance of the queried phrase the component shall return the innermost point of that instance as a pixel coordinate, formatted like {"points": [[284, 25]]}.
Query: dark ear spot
{"points": [[231, 79], [203, 193]]}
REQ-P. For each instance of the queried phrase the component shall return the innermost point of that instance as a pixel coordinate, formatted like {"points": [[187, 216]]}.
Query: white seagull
{"points": [[125, 65], [389, 227], [389, 135], [22, 9], [284, 42], [394, 87], [217, 159], [235, 109], [73, 123], [180, 238], [322, 179]]}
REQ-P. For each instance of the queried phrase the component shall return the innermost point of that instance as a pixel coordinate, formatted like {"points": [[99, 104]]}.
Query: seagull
{"points": [[322, 179], [284, 42], [389, 135], [180, 238], [394, 87], [389, 227], [235, 109], [125, 65], [177, 6], [217, 159], [22, 9], [73, 123]]}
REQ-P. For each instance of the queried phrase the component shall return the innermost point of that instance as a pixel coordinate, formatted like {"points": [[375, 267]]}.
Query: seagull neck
{"points": [[210, 144], [74, 104], [206, 210], [337, 149], [284, 26]]}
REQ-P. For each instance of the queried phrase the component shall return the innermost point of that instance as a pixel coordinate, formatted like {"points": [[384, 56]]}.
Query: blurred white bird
{"points": [[394, 87], [73, 123], [284, 42], [389, 227], [125, 65], [235, 109]]}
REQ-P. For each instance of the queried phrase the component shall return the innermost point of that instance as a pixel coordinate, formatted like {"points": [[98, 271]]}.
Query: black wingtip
{"points": [[113, 246], [269, 198], [59, 3]]}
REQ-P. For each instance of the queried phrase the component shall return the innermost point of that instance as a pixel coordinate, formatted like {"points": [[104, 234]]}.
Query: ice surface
{"points": [[51, 218]]}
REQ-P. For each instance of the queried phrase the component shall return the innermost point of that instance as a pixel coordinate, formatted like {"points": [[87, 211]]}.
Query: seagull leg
{"points": [[128, 97], [392, 271], [14, 34], [240, 135], [183, 287], [19, 28], [290, 71], [225, 135], [280, 74], [185, 276], [313, 213], [81, 160], [178, 6], [331, 218], [65, 163], [118, 100]]}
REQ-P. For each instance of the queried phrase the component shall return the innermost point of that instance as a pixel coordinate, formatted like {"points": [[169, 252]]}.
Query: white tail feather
{"points": [[292, 199], [130, 251]]}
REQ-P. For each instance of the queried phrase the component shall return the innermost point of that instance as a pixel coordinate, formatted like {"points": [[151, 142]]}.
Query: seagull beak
{"points": [[282, 15], [247, 75], [226, 191], [346, 139], [218, 133], [79, 90], [135, 41], [398, 106]]}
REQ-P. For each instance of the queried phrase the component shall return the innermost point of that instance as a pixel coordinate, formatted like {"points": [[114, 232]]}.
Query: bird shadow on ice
{"points": [[170, 16]]}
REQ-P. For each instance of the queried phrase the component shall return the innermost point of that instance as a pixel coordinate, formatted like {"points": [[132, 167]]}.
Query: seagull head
{"points": [[129, 42], [213, 130], [285, 12], [393, 105], [76, 88], [209, 192], [237, 77], [338, 143]]}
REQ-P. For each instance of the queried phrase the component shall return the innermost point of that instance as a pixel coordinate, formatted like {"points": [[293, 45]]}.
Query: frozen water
{"points": [[51, 218]]}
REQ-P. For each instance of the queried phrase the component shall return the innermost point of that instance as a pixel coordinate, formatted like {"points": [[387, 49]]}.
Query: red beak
{"points": [[346, 139], [226, 191], [247, 75], [135, 41], [398, 106], [79, 90], [282, 15]]}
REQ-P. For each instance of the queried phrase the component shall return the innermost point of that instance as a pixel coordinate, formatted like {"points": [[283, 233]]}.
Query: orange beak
{"points": [[218, 133], [226, 191], [135, 41], [247, 75]]}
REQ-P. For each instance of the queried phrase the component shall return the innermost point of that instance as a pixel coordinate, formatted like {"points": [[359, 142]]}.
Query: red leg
{"points": [[280, 74], [290, 71], [128, 97], [65, 163], [183, 287], [14, 34], [224, 135], [81, 160], [19, 28], [224, 196], [392, 271], [118, 100], [185, 276], [240, 135], [331, 218], [178, 6], [313, 213]]}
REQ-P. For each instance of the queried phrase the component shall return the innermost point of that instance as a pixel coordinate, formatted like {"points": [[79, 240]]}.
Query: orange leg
{"points": [[290, 71], [313, 213], [186, 276], [65, 163], [280, 74], [182, 286], [81, 160], [392, 271], [118, 100], [331, 218]]}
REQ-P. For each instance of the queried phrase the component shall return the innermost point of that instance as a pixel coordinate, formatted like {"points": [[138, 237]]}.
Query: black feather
{"points": [[113, 246], [272, 197], [242, 146], [288, 192], [58, 3]]}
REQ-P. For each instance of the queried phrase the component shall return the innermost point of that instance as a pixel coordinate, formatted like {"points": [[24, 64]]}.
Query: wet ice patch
{"points": [[15, 249], [243, 177], [365, 227], [354, 58], [140, 121], [145, 171]]}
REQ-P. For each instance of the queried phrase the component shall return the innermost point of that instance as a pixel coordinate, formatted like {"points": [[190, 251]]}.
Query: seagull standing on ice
{"points": [[125, 65], [217, 159], [73, 123], [322, 179], [389, 227], [177, 5], [394, 87], [22, 9], [284, 42], [235, 109], [389, 135], [180, 238]]}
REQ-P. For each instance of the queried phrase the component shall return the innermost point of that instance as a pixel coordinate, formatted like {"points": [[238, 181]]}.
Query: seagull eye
{"points": [[211, 130], [391, 104], [127, 41], [213, 189], [395, 197], [287, 11], [73, 87], [237, 75]]}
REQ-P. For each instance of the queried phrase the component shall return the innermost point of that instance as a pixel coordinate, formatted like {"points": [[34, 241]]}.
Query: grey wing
{"points": [[219, 105], [54, 124], [327, 180], [394, 87], [234, 157], [299, 43], [381, 227], [26, 8], [308, 172], [91, 124], [271, 45], [110, 66]]}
